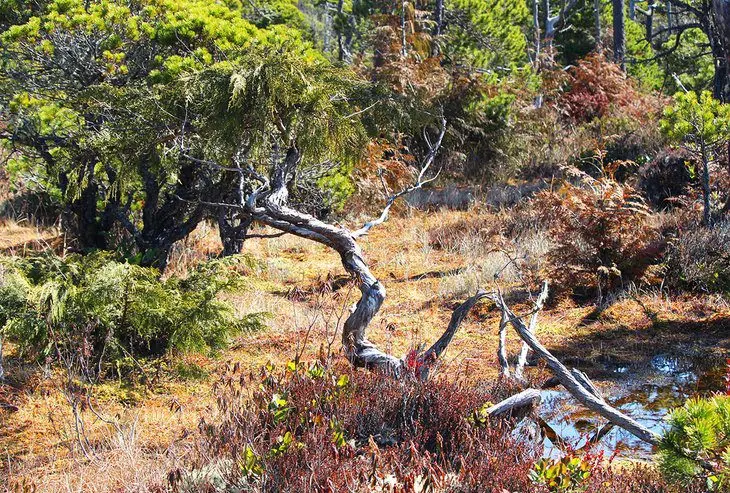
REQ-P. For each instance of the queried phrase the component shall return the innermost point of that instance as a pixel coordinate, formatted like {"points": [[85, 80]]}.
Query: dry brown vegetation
{"points": [[429, 261]]}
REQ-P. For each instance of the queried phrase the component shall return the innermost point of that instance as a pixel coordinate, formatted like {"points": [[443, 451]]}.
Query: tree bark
{"points": [[524, 351], [232, 232], [720, 31], [438, 17], [518, 403], [166, 222], [597, 23], [619, 35], [649, 24]]}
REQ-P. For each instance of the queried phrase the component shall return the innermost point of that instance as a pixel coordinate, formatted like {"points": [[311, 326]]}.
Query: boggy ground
{"points": [[141, 431]]}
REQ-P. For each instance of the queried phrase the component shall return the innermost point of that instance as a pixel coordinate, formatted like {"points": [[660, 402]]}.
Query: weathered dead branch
{"points": [[522, 358], [516, 406], [575, 381]]}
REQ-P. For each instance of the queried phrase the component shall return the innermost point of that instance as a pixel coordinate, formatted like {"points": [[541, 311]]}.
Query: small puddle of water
{"points": [[646, 393]]}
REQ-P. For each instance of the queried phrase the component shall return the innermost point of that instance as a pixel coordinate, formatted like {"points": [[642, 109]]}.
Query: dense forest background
{"points": [[183, 182]]}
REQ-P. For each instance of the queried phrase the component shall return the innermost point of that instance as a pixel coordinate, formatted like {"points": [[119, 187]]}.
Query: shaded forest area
{"points": [[203, 202]]}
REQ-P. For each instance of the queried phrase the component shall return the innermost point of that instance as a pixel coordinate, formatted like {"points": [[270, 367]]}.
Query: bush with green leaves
{"points": [[697, 443], [105, 310], [567, 474]]}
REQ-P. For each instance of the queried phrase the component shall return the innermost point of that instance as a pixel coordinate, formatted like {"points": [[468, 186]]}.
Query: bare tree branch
{"points": [[420, 182], [522, 358], [576, 383]]}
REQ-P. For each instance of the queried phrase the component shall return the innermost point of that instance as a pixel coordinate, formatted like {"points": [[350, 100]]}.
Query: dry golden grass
{"points": [[18, 238], [302, 286]]}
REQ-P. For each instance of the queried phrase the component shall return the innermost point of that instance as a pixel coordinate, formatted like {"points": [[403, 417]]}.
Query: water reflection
{"points": [[645, 392]]}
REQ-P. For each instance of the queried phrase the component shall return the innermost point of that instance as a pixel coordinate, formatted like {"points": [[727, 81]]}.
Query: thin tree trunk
{"points": [[439, 17], [327, 28], [597, 23], [619, 35], [344, 38], [547, 27], [538, 45], [649, 24], [670, 16], [721, 49], [403, 50], [524, 351]]}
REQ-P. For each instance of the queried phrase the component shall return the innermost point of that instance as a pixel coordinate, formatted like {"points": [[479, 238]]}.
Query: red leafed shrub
{"points": [[595, 86], [316, 428], [603, 235]]}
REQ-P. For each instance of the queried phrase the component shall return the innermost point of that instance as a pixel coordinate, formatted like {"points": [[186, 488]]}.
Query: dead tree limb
{"points": [[502, 350], [421, 180], [517, 405], [522, 358], [577, 385]]}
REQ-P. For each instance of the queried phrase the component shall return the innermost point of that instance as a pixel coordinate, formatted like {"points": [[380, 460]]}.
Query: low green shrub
{"points": [[697, 443], [107, 311]]}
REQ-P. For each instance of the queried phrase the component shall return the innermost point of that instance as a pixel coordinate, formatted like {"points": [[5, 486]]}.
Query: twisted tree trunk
{"points": [[358, 349], [267, 204]]}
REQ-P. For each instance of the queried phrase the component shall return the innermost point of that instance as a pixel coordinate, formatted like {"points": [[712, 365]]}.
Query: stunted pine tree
{"points": [[700, 125]]}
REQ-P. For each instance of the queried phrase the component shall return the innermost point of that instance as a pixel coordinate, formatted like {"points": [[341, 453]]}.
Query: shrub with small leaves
{"points": [[568, 474]]}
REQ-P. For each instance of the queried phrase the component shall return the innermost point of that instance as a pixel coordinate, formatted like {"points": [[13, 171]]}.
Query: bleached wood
{"points": [[586, 396]]}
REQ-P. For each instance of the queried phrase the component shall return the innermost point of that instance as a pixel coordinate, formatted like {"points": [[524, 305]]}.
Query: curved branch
{"points": [[522, 358], [525, 400]]}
